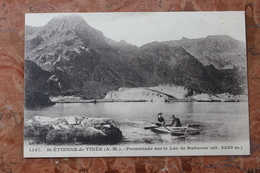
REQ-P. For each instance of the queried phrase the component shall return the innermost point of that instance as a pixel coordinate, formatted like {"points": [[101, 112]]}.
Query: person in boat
{"points": [[175, 122], [161, 120]]}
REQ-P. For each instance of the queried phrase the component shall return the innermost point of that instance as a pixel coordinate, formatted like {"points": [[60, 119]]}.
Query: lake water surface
{"points": [[220, 121]]}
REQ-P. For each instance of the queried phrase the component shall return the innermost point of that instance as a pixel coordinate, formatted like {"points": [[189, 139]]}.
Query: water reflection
{"points": [[219, 121]]}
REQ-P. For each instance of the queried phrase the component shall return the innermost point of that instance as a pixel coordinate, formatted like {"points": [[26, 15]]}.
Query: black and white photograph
{"points": [[135, 84]]}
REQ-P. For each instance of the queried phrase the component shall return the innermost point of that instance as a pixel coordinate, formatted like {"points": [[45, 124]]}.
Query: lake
{"points": [[220, 121]]}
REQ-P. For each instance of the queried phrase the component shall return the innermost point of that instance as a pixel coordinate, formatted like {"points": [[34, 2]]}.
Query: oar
{"points": [[186, 131], [167, 128], [151, 127], [194, 125], [154, 127]]}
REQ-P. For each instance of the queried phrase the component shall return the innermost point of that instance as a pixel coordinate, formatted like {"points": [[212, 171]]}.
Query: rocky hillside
{"points": [[36, 82], [141, 94], [81, 61], [222, 51]]}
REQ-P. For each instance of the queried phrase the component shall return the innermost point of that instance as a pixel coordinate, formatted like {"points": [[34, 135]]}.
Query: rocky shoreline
{"points": [[160, 93], [170, 93], [72, 130], [148, 95]]}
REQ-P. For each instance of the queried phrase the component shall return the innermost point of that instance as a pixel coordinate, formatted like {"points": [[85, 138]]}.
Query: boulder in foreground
{"points": [[69, 130]]}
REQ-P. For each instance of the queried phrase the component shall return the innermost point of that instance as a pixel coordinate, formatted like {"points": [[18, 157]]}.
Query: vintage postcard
{"points": [[135, 84]]}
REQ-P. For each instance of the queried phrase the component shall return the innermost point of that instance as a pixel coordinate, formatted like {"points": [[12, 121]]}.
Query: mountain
{"points": [[81, 61], [221, 51], [36, 81], [161, 64], [80, 55]]}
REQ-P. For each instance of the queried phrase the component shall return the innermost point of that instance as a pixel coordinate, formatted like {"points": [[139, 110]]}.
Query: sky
{"points": [[139, 28]]}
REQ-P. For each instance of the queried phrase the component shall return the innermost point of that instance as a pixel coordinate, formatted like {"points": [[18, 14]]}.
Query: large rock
{"points": [[37, 99], [68, 130], [136, 94]]}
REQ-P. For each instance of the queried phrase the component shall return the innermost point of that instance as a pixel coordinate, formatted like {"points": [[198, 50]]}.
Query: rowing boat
{"points": [[176, 131]]}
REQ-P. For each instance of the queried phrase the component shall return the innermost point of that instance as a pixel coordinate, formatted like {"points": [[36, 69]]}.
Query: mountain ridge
{"points": [[89, 64], [218, 50]]}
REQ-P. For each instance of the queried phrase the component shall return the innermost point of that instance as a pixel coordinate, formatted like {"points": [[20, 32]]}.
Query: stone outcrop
{"points": [[136, 94], [72, 129], [169, 93], [37, 99]]}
